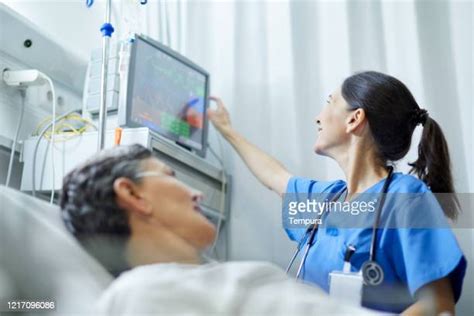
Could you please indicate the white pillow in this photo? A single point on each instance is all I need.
(42, 260)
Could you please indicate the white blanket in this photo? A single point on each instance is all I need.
(234, 288)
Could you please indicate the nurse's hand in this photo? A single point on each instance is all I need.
(220, 117)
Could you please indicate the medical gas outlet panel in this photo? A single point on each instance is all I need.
(92, 83)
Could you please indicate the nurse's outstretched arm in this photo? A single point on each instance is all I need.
(268, 170)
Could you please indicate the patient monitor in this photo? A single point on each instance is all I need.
(166, 92)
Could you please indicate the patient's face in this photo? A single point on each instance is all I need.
(176, 206)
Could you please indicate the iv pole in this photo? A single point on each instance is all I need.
(107, 29)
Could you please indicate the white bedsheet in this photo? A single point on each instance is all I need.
(234, 288)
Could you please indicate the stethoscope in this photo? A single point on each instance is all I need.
(372, 272)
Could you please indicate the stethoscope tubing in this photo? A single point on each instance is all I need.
(313, 229)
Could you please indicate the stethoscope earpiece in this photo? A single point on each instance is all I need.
(372, 273)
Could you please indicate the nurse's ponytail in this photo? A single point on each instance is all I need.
(393, 114)
(433, 165)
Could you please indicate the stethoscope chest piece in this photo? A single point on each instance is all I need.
(372, 273)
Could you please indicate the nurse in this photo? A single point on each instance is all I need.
(367, 125)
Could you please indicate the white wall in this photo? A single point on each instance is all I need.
(70, 22)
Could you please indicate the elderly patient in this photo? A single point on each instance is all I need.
(131, 213)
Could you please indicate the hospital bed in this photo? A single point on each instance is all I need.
(41, 261)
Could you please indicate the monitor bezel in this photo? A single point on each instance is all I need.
(130, 83)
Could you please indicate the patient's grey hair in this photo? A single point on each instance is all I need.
(89, 206)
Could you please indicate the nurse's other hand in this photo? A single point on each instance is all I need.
(220, 117)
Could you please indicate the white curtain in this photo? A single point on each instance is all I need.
(275, 62)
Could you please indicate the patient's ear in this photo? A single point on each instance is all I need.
(129, 197)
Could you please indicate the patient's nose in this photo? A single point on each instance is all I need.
(197, 196)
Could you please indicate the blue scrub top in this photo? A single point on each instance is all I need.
(410, 255)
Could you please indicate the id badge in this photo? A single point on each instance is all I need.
(346, 286)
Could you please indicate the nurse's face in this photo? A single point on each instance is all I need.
(332, 125)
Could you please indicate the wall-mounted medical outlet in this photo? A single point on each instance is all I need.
(23, 78)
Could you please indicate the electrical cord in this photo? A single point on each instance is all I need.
(15, 140)
(213, 248)
(53, 131)
(35, 152)
(66, 127)
(71, 115)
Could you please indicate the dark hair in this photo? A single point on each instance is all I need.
(393, 114)
(88, 202)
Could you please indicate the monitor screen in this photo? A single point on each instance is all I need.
(168, 94)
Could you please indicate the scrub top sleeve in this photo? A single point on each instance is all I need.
(306, 186)
(299, 185)
(425, 248)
